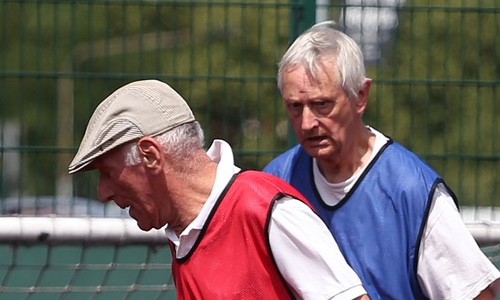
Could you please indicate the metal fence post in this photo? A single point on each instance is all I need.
(302, 17)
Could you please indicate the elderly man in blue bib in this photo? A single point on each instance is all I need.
(393, 216)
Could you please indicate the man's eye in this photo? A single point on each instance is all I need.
(323, 107)
(321, 104)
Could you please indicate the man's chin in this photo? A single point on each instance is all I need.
(144, 227)
(317, 152)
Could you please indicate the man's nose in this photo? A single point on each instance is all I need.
(104, 192)
(309, 119)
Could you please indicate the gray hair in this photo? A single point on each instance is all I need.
(323, 42)
(180, 142)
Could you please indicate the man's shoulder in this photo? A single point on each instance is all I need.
(287, 155)
(282, 165)
(405, 166)
(396, 151)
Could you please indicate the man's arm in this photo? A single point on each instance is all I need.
(486, 294)
(308, 256)
(448, 250)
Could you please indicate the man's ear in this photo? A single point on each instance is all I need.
(150, 152)
(362, 101)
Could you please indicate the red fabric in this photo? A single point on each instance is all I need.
(233, 259)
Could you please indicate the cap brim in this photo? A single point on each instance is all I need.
(88, 166)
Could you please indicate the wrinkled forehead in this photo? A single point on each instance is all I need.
(322, 73)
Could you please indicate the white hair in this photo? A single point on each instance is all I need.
(322, 42)
(180, 142)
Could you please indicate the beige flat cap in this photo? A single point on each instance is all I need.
(138, 109)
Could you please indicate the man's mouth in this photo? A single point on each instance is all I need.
(315, 139)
